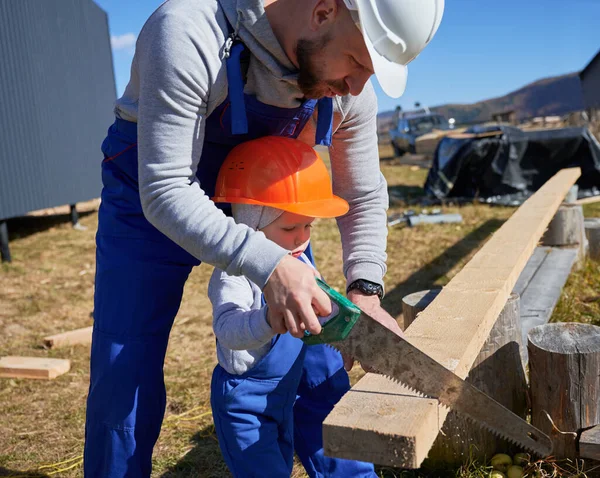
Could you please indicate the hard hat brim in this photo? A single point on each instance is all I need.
(391, 76)
(322, 208)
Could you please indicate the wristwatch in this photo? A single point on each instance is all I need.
(366, 287)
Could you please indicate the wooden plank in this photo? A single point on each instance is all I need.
(499, 373)
(543, 291)
(72, 337)
(33, 367)
(588, 200)
(589, 443)
(372, 406)
(451, 330)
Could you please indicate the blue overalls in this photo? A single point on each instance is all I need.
(140, 275)
(259, 425)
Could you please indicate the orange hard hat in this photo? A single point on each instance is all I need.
(278, 172)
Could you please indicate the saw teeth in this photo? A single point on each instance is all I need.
(527, 447)
(497, 433)
(412, 389)
(501, 435)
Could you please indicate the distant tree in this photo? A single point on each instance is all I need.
(417, 104)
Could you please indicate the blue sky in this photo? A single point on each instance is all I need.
(483, 49)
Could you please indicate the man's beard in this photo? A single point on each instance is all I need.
(310, 75)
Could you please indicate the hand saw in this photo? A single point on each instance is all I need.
(357, 335)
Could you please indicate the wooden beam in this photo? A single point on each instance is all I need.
(451, 330)
(33, 367)
(589, 443)
(588, 200)
(72, 337)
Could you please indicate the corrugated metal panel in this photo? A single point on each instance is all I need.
(57, 94)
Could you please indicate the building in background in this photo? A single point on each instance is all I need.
(590, 84)
(505, 116)
(57, 93)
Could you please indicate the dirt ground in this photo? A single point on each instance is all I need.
(48, 288)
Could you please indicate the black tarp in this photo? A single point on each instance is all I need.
(508, 167)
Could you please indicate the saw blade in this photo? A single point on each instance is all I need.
(374, 345)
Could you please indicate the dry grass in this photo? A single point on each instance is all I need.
(49, 288)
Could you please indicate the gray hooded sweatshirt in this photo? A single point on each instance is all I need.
(178, 77)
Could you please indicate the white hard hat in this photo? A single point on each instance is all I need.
(395, 32)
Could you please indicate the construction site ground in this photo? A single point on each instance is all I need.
(48, 288)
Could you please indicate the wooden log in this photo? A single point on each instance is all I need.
(498, 371)
(452, 330)
(571, 196)
(589, 443)
(72, 337)
(592, 233)
(564, 364)
(567, 229)
(414, 303)
(33, 367)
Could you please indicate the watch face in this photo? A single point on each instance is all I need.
(366, 287)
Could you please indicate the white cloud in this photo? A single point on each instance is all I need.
(123, 42)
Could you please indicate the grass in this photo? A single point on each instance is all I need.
(48, 288)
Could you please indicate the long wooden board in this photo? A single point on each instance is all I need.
(452, 330)
(588, 200)
(33, 367)
(72, 337)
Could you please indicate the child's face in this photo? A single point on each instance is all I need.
(290, 231)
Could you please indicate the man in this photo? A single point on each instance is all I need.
(207, 75)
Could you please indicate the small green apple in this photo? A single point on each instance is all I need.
(514, 471)
(521, 459)
(501, 462)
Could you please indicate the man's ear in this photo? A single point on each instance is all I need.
(323, 14)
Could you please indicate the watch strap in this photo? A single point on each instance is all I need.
(366, 287)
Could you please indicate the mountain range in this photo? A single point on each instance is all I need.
(552, 96)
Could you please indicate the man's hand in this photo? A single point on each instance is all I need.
(371, 305)
(294, 299)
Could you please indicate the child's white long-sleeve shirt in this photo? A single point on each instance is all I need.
(239, 321)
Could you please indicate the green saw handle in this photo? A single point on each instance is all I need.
(338, 327)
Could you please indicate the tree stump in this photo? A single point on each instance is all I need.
(571, 196)
(567, 230)
(592, 233)
(564, 364)
(414, 303)
(498, 372)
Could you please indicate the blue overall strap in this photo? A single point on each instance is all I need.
(239, 121)
(324, 122)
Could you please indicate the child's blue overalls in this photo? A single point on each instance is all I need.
(140, 275)
(259, 425)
